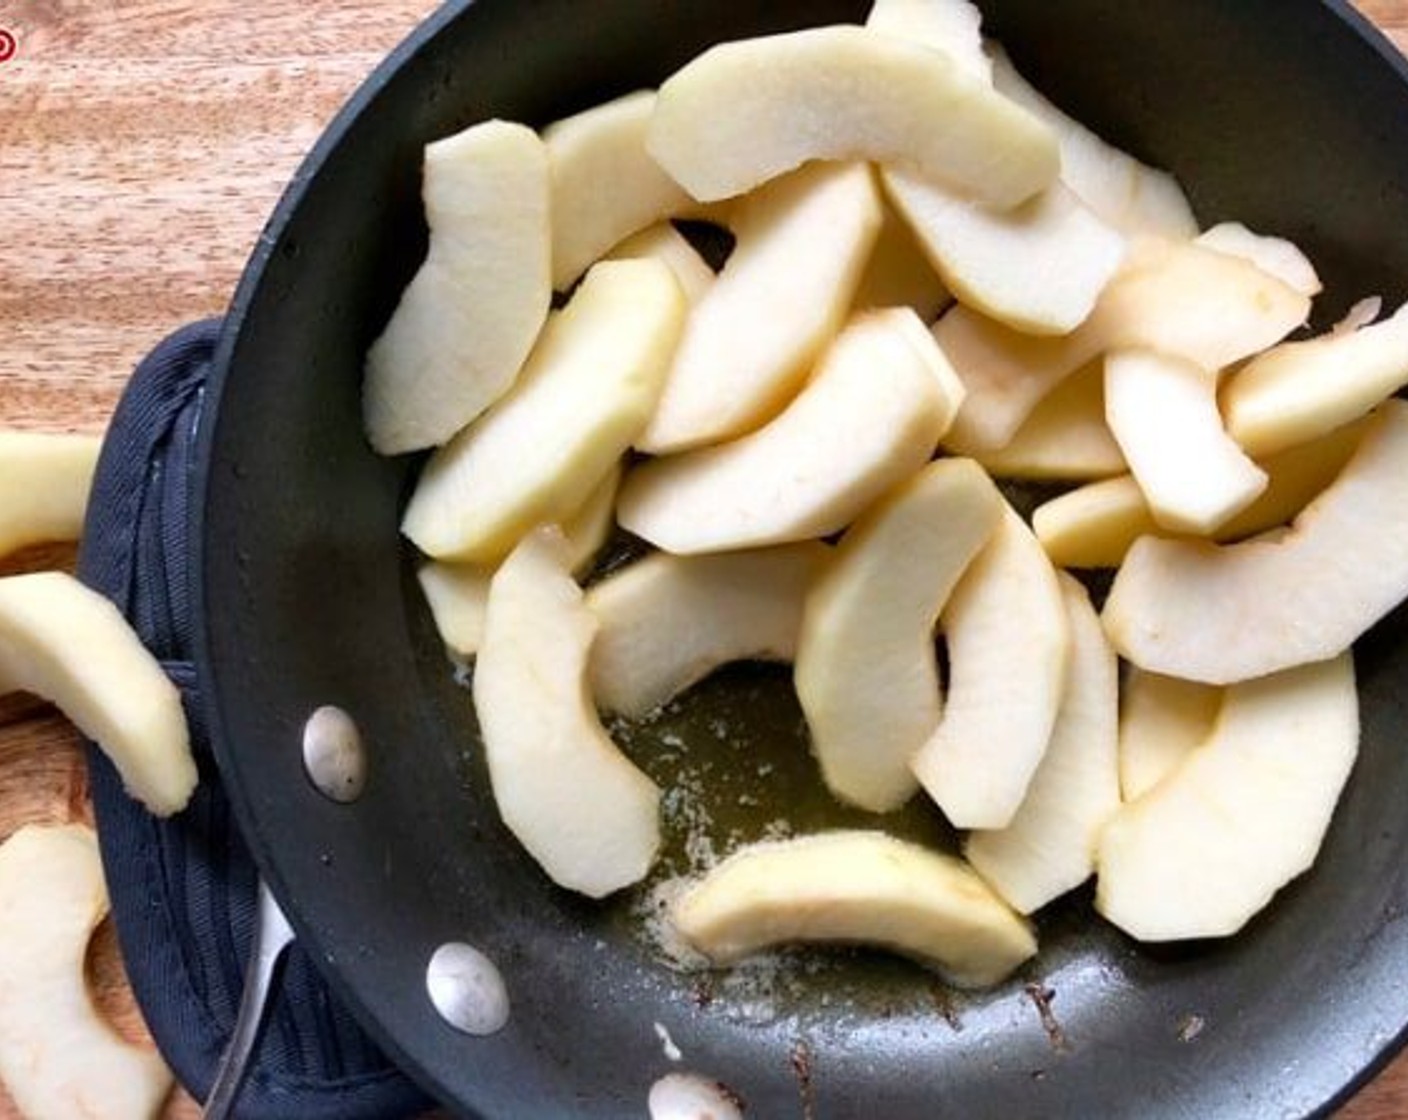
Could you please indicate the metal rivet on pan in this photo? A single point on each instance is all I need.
(467, 989)
(333, 754)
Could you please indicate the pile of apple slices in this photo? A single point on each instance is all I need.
(67, 643)
(809, 439)
(62, 641)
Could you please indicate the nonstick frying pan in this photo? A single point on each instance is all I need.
(1291, 115)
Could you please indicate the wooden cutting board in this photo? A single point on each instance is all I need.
(142, 146)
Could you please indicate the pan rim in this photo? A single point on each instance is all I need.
(207, 439)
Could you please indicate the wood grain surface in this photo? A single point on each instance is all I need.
(142, 145)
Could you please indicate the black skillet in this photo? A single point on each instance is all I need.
(1291, 115)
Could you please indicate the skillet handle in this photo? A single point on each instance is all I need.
(272, 937)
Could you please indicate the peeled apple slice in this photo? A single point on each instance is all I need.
(1005, 375)
(574, 801)
(44, 484)
(467, 320)
(1008, 648)
(459, 593)
(587, 529)
(1162, 720)
(747, 111)
(66, 643)
(866, 673)
(1049, 846)
(1221, 614)
(58, 1059)
(953, 26)
(1129, 195)
(664, 243)
(872, 414)
(1163, 413)
(667, 622)
(1273, 255)
(584, 396)
(1064, 438)
(863, 888)
(1301, 390)
(1195, 303)
(1183, 300)
(1243, 816)
(605, 185)
(1095, 525)
(1038, 267)
(802, 245)
(899, 275)
(1296, 476)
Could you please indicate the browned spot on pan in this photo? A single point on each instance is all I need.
(1042, 998)
(802, 1069)
(943, 1003)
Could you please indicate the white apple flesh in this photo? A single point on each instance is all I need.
(1008, 646)
(664, 243)
(1038, 267)
(1048, 848)
(863, 888)
(951, 26)
(899, 275)
(605, 185)
(1005, 375)
(1191, 302)
(872, 414)
(747, 111)
(70, 645)
(468, 319)
(1179, 299)
(1163, 413)
(866, 673)
(1094, 526)
(1065, 438)
(1245, 813)
(1273, 255)
(1129, 195)
(587, 392)
(44, 484)
(58, 1058)
(578, 806)
(802, 246)
(1162, 720)
(667, 622)
(459, 593)
(1220, 614)
(1303, 389)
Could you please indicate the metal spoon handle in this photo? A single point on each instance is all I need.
(272, 936)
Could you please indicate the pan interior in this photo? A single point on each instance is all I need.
(1281, 114)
